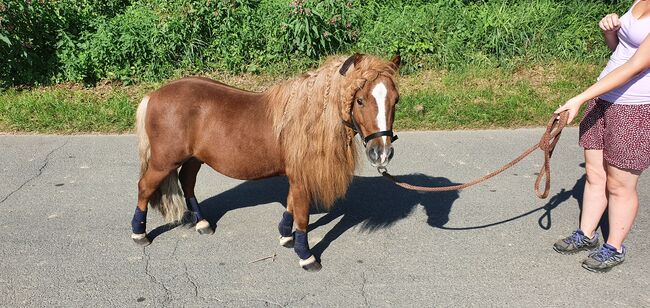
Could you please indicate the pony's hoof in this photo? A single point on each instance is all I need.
(140, 239)
(310, 265)
(203, 227)
(286, 241)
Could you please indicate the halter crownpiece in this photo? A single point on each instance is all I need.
(354, 59)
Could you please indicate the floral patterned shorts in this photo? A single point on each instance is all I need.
(621, 131)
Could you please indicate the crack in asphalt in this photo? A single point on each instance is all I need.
(153, 278)
(173, 253)
(267, 303)
(14, 297)
(38, 174)
(363, 288)
(293, 301)
(189, 278)
(186, 272)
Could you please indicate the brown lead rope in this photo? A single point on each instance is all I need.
(546, 143)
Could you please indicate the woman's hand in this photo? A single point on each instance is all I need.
(610, 23)
(572, 105)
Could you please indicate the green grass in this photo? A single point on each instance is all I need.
(60, 110)
(476, 98)
(491, 98)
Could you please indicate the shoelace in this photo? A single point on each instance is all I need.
(576, 238)
(602, 254)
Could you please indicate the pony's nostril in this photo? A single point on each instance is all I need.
(391, 152)
(373, 154)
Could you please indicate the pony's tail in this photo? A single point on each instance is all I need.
(168, 198)
(144, 148)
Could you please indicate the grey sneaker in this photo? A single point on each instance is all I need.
(604, 258)
(577, 241)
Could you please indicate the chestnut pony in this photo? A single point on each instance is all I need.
(303, 128)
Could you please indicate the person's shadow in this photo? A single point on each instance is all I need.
(545, 220)
(577, 192)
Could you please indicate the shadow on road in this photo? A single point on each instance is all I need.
(544, 221)
(374, 203)
(371, 203)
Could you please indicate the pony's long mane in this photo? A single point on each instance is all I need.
(307, 114)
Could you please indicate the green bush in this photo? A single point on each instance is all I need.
(320, 28)
(86, 41)
(27, 41)
(453, 34)
(152, 40)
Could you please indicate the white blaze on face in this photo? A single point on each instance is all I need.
(379, 92)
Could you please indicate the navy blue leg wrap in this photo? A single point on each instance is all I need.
(286, 224)
(139, 221)
(193, 206)
(301, 245)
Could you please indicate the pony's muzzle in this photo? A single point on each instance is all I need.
(379, 152)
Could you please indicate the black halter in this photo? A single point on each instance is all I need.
(355, 127)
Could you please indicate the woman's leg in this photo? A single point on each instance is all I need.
(623, 203)
(594, 201)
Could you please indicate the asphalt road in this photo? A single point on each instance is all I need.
(66, 204)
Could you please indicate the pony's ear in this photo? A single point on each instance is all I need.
(354, 59)
(396, 60)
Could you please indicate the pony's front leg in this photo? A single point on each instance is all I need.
(298, 201)
(187, 177)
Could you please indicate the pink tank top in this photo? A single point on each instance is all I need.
(632, 33)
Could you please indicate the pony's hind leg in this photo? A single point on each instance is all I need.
(146, 188)
(187, 177)
(286, 225)
(298, 202)
(286, 229)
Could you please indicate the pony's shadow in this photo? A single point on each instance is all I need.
(247, 194)
(372, 203)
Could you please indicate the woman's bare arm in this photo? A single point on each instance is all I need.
(639, 62)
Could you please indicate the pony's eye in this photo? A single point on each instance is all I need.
(359, 101)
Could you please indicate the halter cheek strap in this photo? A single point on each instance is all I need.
(355, 127)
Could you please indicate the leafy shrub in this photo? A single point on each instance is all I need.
(86, 41)
(150, 41)
(454, 34)
(317, 28)
(28, 34)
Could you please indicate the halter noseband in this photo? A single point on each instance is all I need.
(355, 127)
